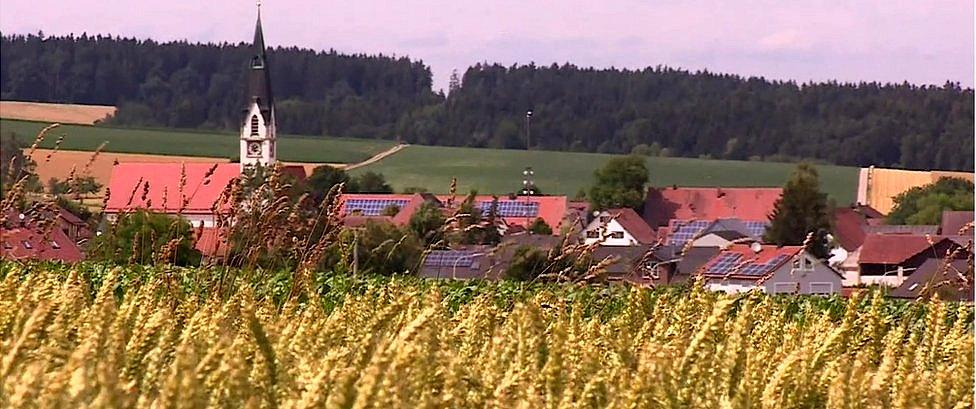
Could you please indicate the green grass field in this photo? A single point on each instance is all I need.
(490, 171)
(193, 143)
(498, 171)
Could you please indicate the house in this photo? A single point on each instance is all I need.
(644, 265)
(618, 227)
(952, 280)
(956, 223)
(514, 212)
(24, 237)
(849, 224)
(680, 232)
(468, 262)
(771, 269)
(909, 229)
(888, 259)
(663, 205)
(192, 190)
(721, 239)
(877, 187)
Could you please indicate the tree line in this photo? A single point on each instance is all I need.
(656, 110)
(184, 85)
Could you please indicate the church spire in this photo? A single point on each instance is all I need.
(258, 137)
(259, 77)
(258, 43)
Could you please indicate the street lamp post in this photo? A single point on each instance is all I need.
(528, 130)
(528, 185)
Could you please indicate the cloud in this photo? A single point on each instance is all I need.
(790, 39)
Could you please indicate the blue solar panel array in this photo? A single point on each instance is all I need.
(372, 207)
(511, 208)
(684, 231)
(450, 258)
(724, 264)
(733, 263)
(756, 228)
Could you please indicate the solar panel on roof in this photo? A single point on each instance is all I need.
(724, 263)
(756, 228)
(512, 208)
(450, 258)
(372, 207)
(684, 231)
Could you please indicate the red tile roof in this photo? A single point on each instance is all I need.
(200, 190)
(849, 228)
(210, 244)
(766, 260)
(165, 177)
(709, 203)
(895, 248)
(26, 243)
(634, 224)
(552, 209)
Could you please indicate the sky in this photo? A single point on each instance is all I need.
(919, 41)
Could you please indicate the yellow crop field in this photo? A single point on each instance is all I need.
(55, 113)
(110, 337)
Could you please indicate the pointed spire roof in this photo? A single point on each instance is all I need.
(259, 77)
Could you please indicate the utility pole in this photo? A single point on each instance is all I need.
(355, 251)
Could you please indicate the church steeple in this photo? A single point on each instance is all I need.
(258, 137)
(259, 77)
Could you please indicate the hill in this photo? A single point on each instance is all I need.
(194, 143)
(703, 114)
(687, 114)
(490, 171)
(499, 171)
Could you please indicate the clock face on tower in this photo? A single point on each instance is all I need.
(254, 149)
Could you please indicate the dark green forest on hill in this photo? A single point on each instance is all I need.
(659, 110)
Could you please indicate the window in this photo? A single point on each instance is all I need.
(604, 219)
(617, 235)
(27, 244)
(821, 288)
(806, 263)
(254, 125)
(785, 288)
(55, 245)
(802, 263)
(592, 234)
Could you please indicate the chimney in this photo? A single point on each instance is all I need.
(719, 192)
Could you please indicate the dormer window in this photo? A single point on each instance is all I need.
(254, 125)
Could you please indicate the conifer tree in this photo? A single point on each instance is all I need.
(803, 209)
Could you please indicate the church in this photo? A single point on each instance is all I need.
(191, 189)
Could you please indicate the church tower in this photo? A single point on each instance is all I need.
(258, 137)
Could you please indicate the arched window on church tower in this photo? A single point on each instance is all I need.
(254, 125)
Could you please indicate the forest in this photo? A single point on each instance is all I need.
(657, 110)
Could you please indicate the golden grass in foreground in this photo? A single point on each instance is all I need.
(397, 347)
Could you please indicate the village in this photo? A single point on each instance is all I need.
(677, 235)
(615, 205)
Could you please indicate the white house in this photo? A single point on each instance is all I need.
(618, 227)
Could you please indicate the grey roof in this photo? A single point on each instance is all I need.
(695, 258)
(727, 234)
(945, 280)
(953, 222)
(902, 229)
(626, 257)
